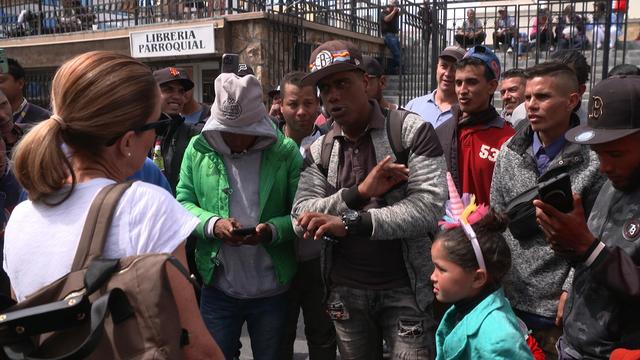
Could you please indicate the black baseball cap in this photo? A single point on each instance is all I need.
(372, 66)
(169, 74)
(613, 112)
(332, 57)
(244, 70)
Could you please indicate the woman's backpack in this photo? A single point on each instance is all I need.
(104, 308)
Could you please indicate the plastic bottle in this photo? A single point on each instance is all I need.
(157, 156)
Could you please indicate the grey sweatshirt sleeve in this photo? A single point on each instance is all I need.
(422, 205)
(314, 190)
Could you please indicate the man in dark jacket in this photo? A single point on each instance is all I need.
(472, 137)
(382, 214)
(602, 307)
(25, 114)
(390, 27)
(174, 83)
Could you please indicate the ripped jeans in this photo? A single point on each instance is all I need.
(364, 317)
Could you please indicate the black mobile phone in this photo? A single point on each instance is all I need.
(4, 64)
(244, 231)
(230, 63)
(557, 192)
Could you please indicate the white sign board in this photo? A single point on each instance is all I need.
(193, 40)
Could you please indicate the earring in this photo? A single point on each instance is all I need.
(129, 154)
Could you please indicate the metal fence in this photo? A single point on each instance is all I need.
(591, 27)
(425, 29)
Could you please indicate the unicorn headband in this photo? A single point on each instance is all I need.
(463, 212)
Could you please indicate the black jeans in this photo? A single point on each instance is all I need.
(504, 38)
(307, 292)
(469, 41)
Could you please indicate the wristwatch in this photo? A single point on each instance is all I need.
(352, 221)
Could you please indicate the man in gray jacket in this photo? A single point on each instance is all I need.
(380, 215)
(602, 308)
(539, 279)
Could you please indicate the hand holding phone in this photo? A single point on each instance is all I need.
(557, 193)
(244, 231)
(230, 63)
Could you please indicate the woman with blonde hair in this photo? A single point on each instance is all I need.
(105, 108)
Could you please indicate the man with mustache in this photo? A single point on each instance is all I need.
(512, 91)
(602, 306)
(472, 137)
(378, 214)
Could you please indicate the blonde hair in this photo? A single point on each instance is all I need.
(96, 97)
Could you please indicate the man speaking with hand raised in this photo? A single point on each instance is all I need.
(380, 213)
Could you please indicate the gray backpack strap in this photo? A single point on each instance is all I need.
(325, 154)
(97, 224)
(395, 120)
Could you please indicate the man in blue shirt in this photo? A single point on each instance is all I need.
(435, 107)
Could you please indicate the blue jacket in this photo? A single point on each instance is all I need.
(490, 331)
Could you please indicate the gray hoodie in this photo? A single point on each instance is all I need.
(245, 271)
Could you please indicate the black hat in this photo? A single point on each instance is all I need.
(275, 91)
(169, 74)
(244, 70)
(613, 111)
(372, 66)
(332, 57)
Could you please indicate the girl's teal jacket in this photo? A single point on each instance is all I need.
(489, 332)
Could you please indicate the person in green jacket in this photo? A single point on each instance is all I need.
(471, 257)
(239, 177)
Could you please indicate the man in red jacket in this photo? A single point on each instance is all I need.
(472, 137)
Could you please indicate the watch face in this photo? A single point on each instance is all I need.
(351, 215)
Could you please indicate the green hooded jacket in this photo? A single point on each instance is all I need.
(203, 190)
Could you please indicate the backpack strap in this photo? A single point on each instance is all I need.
(97, 224)
(325, 154)
(395, 120)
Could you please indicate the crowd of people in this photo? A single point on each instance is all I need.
(418, 231)
(545, 30)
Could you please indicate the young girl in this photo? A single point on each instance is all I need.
(470, 258)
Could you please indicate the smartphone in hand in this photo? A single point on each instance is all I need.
(244, 231)
(230, 63)
(4, 63)
(557, 192)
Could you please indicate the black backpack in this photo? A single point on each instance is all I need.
(174, 144)
(394, 122)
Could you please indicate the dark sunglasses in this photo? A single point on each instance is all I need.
(159, 126)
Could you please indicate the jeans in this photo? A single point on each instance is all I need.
(505, 38)
(307, 292)
(393, 43)
(469, 41)
(224, 316)
(362, 317)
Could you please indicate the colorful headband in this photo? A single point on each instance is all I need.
(463, 212)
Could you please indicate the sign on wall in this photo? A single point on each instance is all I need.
(191, 40)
